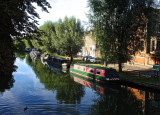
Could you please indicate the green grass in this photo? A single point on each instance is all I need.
(89, 63)
(56, 55)
(140, 79)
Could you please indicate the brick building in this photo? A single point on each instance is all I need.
(148, 55)
(151, 56)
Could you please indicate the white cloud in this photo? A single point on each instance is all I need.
(62, 8)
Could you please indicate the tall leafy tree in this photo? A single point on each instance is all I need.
(69, 36)
(18, 18)
(46, 41)
(119, 26)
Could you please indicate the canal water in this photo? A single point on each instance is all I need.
(36, 89)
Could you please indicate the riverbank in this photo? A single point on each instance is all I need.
(139, 75)
(142, 81)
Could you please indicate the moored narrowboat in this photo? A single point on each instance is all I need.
(99, 74)
(55, 61)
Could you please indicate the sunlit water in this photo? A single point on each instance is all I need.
(37, 90)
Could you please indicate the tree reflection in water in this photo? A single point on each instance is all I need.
(67, 91)
(7, 66)
(118, 103)
(7, 56)
(6, 83)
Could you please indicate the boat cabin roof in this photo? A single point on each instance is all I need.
(91, 66)
(97, 67)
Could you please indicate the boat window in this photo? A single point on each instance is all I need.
(84, 69)
(98, 72)
(78, 67)
(92, 70)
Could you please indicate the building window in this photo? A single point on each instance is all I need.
(90, 42)
(153, 46)
(158, 28)
(158, 46)
(142, 46)
(85, 42)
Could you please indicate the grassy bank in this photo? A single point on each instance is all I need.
(139, 79)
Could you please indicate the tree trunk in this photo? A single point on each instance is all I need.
(71, 59)
(104, 63)
(120, 66)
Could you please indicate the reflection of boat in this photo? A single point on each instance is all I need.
(44, 56)
(28, 49)
(54, 69)
(34, 55)
(99, 74)
(93, 85)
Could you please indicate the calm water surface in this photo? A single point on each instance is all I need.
(36, 90)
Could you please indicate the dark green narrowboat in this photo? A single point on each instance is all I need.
(100, 74)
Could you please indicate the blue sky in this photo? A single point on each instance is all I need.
(62, 8)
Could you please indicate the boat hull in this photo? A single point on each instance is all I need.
(95, 78)
(101, 88)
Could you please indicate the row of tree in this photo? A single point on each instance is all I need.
(64, 37)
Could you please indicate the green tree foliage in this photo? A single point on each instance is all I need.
(46, 41)
(18, 18)
(20, 45)
(69, 36)
(119, 26)
(20, 49)
(28, 43)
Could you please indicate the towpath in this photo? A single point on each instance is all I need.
(139, 70)
(129, 67)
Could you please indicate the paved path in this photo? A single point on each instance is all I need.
(133, 67)
(138, 69)
(141, 69)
